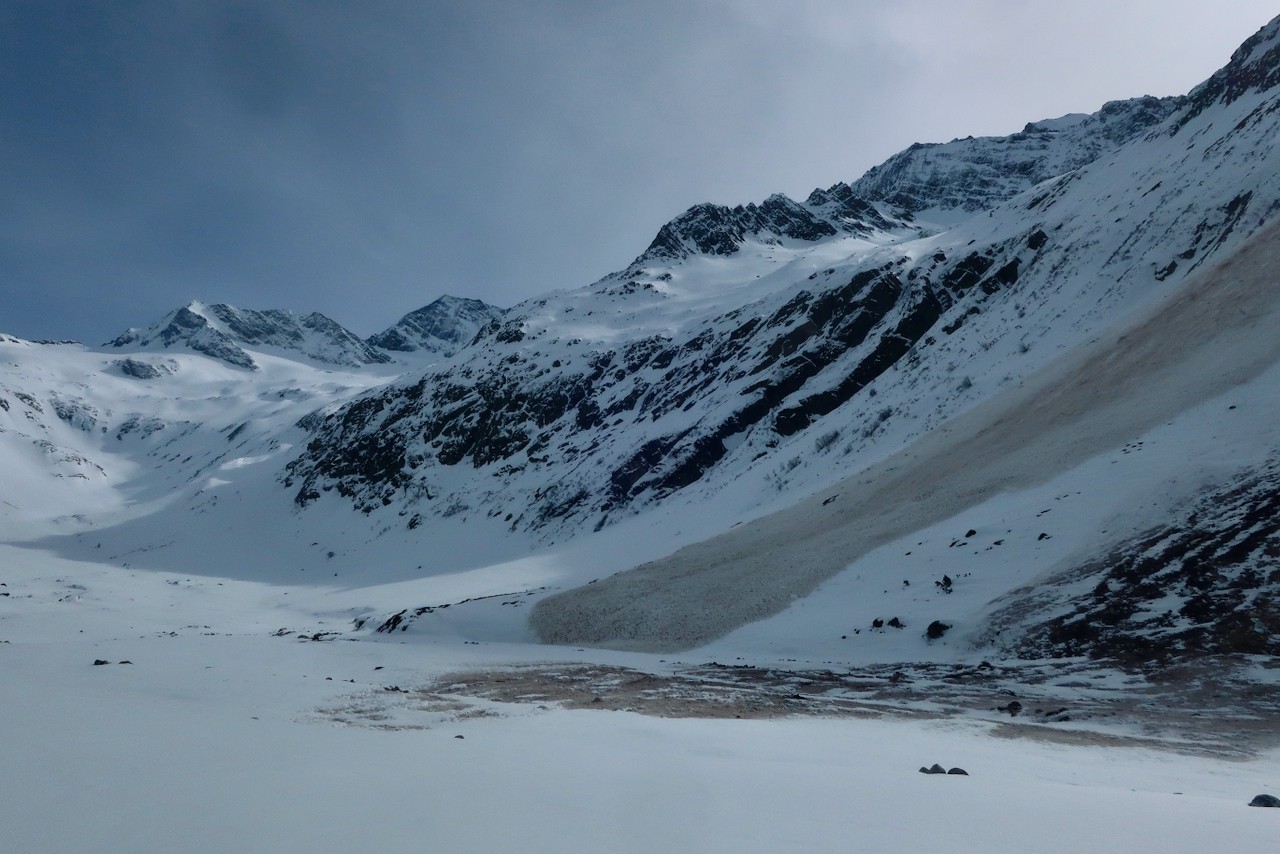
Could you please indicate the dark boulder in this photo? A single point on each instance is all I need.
(1265, 801)
(936, 630)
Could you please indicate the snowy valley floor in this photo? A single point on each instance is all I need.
(225, 734)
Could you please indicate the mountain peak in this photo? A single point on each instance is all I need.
(711, 229)
(222, 331)
(441, 327)
(1254, 67)
(977, 173)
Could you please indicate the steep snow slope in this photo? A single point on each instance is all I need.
(1221, 329)
(224, 332)
(976, 174)
(759, 354)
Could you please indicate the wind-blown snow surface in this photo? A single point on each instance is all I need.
(216, 738)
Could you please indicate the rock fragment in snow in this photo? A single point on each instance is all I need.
(1265, 801)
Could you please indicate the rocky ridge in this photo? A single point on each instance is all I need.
(223, 332)
(977, 173)
(839, 325)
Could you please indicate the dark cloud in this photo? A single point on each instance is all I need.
(361, 159)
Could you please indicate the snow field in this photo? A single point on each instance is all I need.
(218, 738)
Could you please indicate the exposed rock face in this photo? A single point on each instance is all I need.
(222, 332)
(717, 230)
(612, 415)
(140, 369)
(1254, 67)
(1208, 585)
(442, 327)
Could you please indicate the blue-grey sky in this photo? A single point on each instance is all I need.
(360, 159)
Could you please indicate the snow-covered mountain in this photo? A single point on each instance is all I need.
(750, 356)
(793, 344)
(440, 328)
(224, 332)
(709, 229)
(989, 434)
(974, 174)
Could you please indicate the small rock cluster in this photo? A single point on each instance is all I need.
(938, 769)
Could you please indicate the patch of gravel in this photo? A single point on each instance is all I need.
(1223, 706)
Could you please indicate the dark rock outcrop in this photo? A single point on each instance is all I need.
(1215, 575)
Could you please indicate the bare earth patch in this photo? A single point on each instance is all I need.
(1226, 706)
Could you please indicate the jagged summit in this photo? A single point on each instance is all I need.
(718, 230)
(977, 173)
(222, 331)
(1254, 67)
(967, 175)
(441, 327)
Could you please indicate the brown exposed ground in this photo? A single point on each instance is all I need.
(1226, 706)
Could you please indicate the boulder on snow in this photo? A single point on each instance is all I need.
(1265, 801)
(933, 769)
(958, 772)
(936, 630)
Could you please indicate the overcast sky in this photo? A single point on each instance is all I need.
(360, 159)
